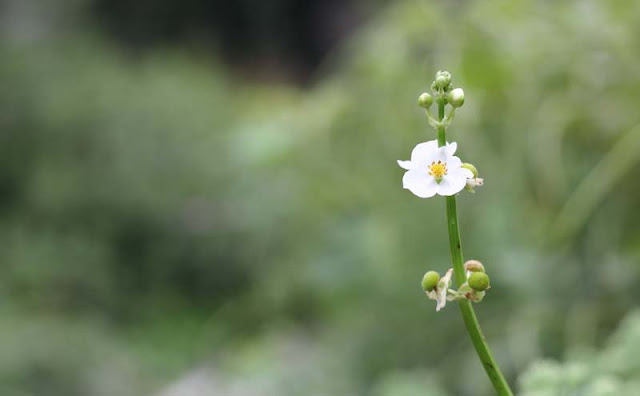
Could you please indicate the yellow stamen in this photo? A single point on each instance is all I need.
(437, 169)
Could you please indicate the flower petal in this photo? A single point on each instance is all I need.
(408, 165)
(443, 286)
(453, 163)
(451, 148)
(438, 154)
(466, 172)
(452, 184)
(474, 182)
(420, 183)
(424, 151)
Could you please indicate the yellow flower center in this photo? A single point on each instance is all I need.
(437, 169)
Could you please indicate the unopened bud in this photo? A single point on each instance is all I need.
(471, 168)
(443, 78)
(473, 266)
(425, 100)
(430, 280)
(479, 281)
(456, 97)
(473, 183)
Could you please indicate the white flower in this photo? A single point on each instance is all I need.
(434, 170)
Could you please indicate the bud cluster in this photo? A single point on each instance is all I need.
(442, 91)
(437, 288)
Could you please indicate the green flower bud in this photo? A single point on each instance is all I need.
(473, 266)
(430, 280)
(425, 100)
(456, 97)
(471, 168)
(479, 281)
(443, 78)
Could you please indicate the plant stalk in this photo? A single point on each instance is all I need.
(468, 313)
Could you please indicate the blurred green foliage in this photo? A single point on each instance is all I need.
(613, 370)
(161, 216)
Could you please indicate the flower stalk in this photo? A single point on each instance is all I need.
(468, 313)
(434, 169)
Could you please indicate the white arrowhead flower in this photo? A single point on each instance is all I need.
(434, 170)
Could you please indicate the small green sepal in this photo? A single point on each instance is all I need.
(471, 168)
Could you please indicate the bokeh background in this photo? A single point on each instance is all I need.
(201, 198)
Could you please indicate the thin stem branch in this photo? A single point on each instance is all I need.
(468, 314)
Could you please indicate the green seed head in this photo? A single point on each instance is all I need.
(473, 266)
(425, 100)
(479, 281)
(430, 280)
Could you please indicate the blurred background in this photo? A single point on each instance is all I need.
(202, 198)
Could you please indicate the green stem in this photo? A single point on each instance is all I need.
(468, 314)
